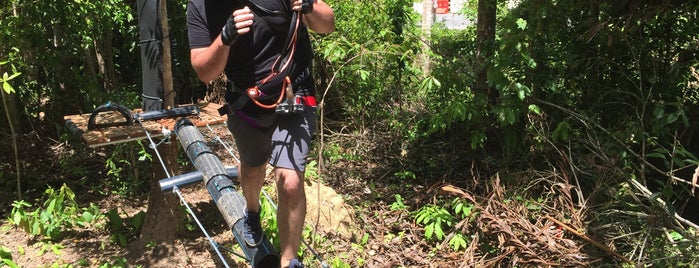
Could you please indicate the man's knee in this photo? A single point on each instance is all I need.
(290, 183)
(255, 171)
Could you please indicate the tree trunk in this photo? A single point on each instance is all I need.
(485, 40)
(91, 57)
(168, 93)
(163, 216)
(537, 49)
(104, 57)
(110, 82)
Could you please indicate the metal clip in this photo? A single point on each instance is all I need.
(166, 138)
(291, 105)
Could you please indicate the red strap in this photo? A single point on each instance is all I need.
(310, 101)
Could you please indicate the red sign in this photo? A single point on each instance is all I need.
(442, 7)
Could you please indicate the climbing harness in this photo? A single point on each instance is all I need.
(280, 68)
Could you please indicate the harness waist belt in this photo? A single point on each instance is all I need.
(307, 101)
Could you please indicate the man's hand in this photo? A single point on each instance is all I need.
(305, 6)
(320, 19)
(238, 23)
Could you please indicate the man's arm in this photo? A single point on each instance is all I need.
(321, 20)
(209, 62)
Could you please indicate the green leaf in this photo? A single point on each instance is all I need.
(438, 231)
(88, 216)
(122, 240)
(364, 75)
(467, 210)
(522, 90)
(659, 112)
(10, 263)
(458, 208)
(671, 118)
(429, 229)
(13, 76)
(52, 206)
(655, 155)
(510, 117)
(562, 132)
(5, 253)
(420, 217)
(535, 109)
(36, 228)
(7, 87)
(457, 242)
(521, 24)
(68, 191)
(56, 248)
(137, 220)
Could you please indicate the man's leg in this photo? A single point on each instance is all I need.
(291, 142)
(254, 147)
(251, 181)
(291, 213)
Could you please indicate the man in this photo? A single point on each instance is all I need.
(266, 58)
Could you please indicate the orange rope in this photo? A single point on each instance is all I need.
(254, 92)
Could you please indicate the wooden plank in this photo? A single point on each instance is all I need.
(153, 127)
(167, 123)
(134, 131)
(94, 138)
(115, 134)
(210, 108)
(110, 132)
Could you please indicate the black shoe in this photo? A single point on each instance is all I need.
(252, 229)
(294, 263)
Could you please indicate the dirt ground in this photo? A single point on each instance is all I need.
(327, 215)
(351, 219)
(186, 249)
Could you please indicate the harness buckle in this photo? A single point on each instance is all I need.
(292, 104)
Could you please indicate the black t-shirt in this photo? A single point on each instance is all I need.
(253, 54)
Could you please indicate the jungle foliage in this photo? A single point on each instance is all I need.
(600, 96)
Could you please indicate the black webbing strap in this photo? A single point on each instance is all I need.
(109, 106)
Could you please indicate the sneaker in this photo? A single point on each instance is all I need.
(294, 263)
(252, 229)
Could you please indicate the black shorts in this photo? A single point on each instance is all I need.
(285, 142)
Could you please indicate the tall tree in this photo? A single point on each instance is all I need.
(162, 209)
(485, 47)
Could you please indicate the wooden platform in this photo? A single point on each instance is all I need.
(107, 135)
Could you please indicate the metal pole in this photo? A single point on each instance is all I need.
(230, 202)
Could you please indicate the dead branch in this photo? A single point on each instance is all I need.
(588, 239)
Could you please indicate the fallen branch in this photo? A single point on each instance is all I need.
(588, 239)
(647, 193)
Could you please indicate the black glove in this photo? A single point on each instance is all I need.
(307, 6)
(229, 33)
